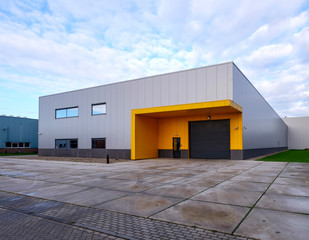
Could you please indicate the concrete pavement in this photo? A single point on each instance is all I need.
(263, 200)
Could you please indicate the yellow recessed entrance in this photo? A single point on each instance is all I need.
(154, 128)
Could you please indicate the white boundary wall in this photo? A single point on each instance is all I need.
(298, 132)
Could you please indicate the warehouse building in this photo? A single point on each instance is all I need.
(18, 134)
(209, 112)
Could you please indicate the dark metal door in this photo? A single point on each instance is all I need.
(209, 139)
(176, 147)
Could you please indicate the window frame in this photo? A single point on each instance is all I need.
(67, 143)
(66, 112)
(92, 143)
(19, 144)
(97, 104)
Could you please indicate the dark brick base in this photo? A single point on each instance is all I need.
(87, 153)
(166, 153)
(18, 150)
(251, 153)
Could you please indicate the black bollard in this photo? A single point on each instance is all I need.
(107, 159)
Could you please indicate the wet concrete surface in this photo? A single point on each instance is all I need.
(229, 196)
(139, 204)
(214, 216)
(275, 225)
(282, 202)
(263, 200)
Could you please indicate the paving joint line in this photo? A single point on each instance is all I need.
(62, 221)
(203, 190)
(253, 206)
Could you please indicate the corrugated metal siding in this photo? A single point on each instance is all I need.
(197, 85)
(298, 132)
(263, 128)
(16, 129)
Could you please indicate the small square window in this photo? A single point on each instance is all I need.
(21, 145)
(61, 143)
(8, 144)
(73, 143)
(61, 113)
(98, 143)
(14, 145)
(27, 144)
(66, 143)
(98, 109)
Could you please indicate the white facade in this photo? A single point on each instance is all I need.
(198, 85)
(262, 127)
(298, 132)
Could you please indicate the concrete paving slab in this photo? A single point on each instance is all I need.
(246, 186)
(285, 203)
(291, 181)
(44, 176)
(10, 183)
(29, 186)
(91, 197)
(173, 190)
(139, 204)
(275, 225)
(99, 182)
(73, 179)
(101, 174)
(196, 182)
(54, 191)
(287, 189)
(215, 216)
(253, 178)
(229, 196)
(300, 167)
(218, 176)
(162, 179)
(131, 176)
(293, 174)
(264, 172)
(132, 186)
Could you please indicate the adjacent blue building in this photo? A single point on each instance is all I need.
(18, 134)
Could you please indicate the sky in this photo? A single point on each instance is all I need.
(52, 46)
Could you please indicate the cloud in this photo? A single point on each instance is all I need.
(269, 55)
(54, 46)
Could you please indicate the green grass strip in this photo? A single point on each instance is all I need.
(289, 156)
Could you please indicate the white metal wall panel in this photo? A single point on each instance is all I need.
(182, 88)
(191, 86)
(148, 92)
(197, 85)
(156, 90)
(164, 90)
(201, 85)
(230, 81)
(173, 93)
(263, 128)
(211, 83)
(222, 80)
(298, 132)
